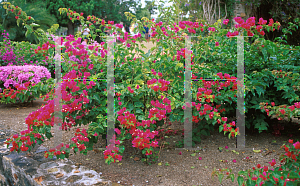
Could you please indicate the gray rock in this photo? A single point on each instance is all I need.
(21, 170)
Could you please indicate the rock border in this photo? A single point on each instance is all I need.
(36, 170)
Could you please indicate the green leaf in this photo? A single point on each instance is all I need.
(220, 128)
(138, 104)
(130, 107)
(34, 25)
(49, 135)
(259, 90)
(128, 136)
(62, 156)
(96, 96)
(160, 123)
(220, 176)
(240, 180)
(293, 175)
(205, 132)
(141, 117)
(40, 30)
(197, 137)
(232, 177)
(19, 144)
(139, 111)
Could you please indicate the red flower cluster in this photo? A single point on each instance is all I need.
(249, 26)
(141, 139)
(182, 53)
(154, 86)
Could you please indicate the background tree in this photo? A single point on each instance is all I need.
(142, 12)
(209, 10)
(150, 5)
(287, 12)
(284, 11)
(86, 7)
(109, 10)
(37, 10)
(168, 13)
(114, 10)
(147, 11)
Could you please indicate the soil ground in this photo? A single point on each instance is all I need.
(179, 169)
(174, 169)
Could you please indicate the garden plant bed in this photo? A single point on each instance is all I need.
(204, 71)
(173, 169)
(33, 168)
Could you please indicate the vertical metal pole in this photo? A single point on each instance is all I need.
(110, 93)
(58, 96)
(188, 95)
(240, 111)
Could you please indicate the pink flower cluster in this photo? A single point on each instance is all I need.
(212, 29)
(17, 75)
(284, 112)
(154, 86)
(249, 25)
(140, 139)
(206, 94)
(182, 53)
(44, 116)
(154, 72)
(128, 39)
(226, 21)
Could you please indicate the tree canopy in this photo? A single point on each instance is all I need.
(105, 9)
(147, 11)
(37, 10)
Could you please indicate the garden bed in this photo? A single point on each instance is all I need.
(171, 168)
(34, 168)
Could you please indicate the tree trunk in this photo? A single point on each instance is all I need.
(71, 27)
(241, 10)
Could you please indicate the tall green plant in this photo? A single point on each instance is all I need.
(40, 20)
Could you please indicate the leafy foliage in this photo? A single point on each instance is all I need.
(104, 9)
(285, 11)
(36, 10)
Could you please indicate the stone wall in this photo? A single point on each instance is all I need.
(34, 169)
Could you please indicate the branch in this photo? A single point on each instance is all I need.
(215, 9)
(208, 13)
(225, 11)
(204, 12)
(219, 9)
(212, 11)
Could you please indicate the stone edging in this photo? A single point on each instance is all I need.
(21, 170)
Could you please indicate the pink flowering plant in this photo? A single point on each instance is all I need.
(24, 53)
(75, 97)
(148, 85)
(141, 133)
(6, 53)
(260, 54)
(260, 93)
(23, 83)
(285, 174)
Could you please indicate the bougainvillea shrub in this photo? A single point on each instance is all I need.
(23, 83)
(149, 85)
